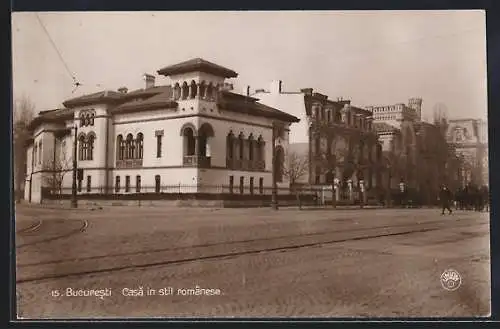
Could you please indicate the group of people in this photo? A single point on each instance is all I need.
(471, 197)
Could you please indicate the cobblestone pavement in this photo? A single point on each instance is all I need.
(258, 262)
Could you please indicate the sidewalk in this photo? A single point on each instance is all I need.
(81, 207)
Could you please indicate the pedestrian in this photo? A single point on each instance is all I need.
(445, 198)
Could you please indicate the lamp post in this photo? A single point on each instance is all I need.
(74, 202)
(274, 194)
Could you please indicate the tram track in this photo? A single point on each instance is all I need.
(32, 228)
(71, 233)
(203, 252)
(227, 243)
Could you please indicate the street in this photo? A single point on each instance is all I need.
(199, 262)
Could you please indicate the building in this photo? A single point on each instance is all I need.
(190, 135)
(336, 137)
(416, 153)
(469, 138)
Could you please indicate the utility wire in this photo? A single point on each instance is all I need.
(75, 81)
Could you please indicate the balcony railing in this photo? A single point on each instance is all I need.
(200, 161)
(129, 163)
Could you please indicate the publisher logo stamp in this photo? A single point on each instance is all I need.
(451, 280)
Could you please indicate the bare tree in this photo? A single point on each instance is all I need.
(55, 172)
(23, 114)
(296, 167)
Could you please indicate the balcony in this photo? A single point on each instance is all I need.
(199, 161)
(129, 163)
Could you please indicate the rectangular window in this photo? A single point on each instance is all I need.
(157, 183)
(261, 185)
(231, 184)
(79, 185)
(89, 183)
(158, 146)
(138, 184)
(117, 184)
(127, 183)
(251, 185)
(242, 183)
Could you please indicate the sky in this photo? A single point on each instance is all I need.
(369, 57)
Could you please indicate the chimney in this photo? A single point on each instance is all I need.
(150, 80)
(246, 91)
(276, 87)
(123, 90)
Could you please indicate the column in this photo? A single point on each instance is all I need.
(208, 149)
(198, 95)
(190, 91)
(196, 146)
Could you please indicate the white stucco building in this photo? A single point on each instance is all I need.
(193, 135)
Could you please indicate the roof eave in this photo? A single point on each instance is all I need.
(92, 101)
(144, 107)
(226, 73)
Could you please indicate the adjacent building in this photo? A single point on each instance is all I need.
(192, 134)
(336, 138)
(469, 138)
(416, 153)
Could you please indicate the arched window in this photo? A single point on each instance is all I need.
(189, 140)
(329, 116)
(82, 119)
(251, 143)
(338, 117)
(129, 151)
(185, 90)
(92, 116)
(81, 147)
(120, 147)
(317, 145)
(205, 132)
(241, 144)
(280, 162)
(230, 146)
(202, 89)
(90, 147)
(261, 146)
(177, 91)
(194, 89)
(140, 145)
(210, 92)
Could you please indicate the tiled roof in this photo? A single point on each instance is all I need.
(55, 115)
(198, 64)
(242, 104)
(101, 96)
(150, 98)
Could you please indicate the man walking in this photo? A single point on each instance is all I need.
(445, 197)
